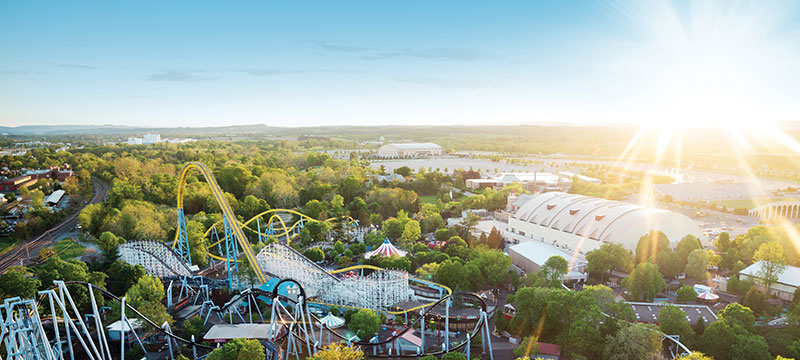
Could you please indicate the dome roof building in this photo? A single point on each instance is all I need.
(581, 224)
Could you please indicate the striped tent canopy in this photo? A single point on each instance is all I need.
(331, 321)
(386, 249)
(707, 296)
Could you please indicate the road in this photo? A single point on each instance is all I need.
(26, 253)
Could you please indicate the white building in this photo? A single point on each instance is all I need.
(579, 224)
(409, 150)
(533, 182)
(784, 289)
(151, 139)
(788, 209)
(531, 255)
(55, 198)
(134, 141)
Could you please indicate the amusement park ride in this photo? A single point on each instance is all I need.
(292, 323)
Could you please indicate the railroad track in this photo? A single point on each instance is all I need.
(26, 253)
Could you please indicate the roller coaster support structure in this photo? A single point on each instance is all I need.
(183, 239)
(231, 254)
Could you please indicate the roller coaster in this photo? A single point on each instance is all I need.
(357, 287)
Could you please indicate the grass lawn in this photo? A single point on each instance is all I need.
(750, 203)
(69, 249)
(6, 244)
(429, 199)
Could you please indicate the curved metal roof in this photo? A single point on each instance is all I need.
(601, 219)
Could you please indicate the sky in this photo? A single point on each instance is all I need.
(310, 63)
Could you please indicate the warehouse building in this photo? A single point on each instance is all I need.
(579, 224)
(409, 150)
(784, 288)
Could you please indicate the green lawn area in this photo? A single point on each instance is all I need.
(429, 199)
(6, 244)
(69, 249)
(750, 203)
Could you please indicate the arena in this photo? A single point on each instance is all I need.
(579, 224)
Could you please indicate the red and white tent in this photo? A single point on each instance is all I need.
(386, 249)
(707, 296)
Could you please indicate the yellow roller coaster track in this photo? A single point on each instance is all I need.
(237, 230)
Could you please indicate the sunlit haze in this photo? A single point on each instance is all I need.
(151, 63)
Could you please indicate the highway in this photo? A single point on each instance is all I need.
(26, 253)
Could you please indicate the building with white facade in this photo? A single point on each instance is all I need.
(409, 150)
(784, 288)
(134, 141)
(579, 224)
(788, 209)
(533, 182)
(151, 139)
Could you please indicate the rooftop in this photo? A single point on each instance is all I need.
(414, 146)
(237, 331)
(648, 312)
(790, 276)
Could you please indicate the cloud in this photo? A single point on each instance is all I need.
(78, 66)
(177, 76)
(451, 83)
(342, 48)
(21, 72)
(453, 54)
(264, 72)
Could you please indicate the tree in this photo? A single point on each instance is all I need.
(365, 323)
(717, 339)
(697, 264)
(393, 228)
(644, 282)
(239, 349)
(756, 301)
(770, 256)
(18, 281)
(696, 355)
(193, 326)
(454, 356)
(108, 242)
(684, 247)
(723, 242)
(686, 294)
(37, 198)
(411, 232)
(495, 240)
(750, 347)
(649, 245)
(315, 254)
(146, 297)
(493, 265)
(339, 351)
(672, 321)
(739, 317)
(608, 257)
(553, 271)
(528, 346)
(669, 263)
(634, 342)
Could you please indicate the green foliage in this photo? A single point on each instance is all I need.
(635, 341)
(553, 270)
(609, 257)
(193, 326)
(339, 351)
(686, 294)
(773, 263)
(493, 265)
(669, 263)
(146, 297)
(314, 254)
(18, 281)
(644, 282)
(458, 276)
(239, 349)
(527, 347)
(649, 245)
(121, 276)
(741, 318)
(365, 323)
(672, 321)
(697, 264)
(684, 247)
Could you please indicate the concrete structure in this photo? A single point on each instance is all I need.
(134, 141)
(409, 150)
(531, 255)
(533, 182)
(14, 184)
(648, 312)
(151, 139)
(709, 191)
(783, 289)
(579, 224)
(777, 210)
(115, 329)
(54, 198)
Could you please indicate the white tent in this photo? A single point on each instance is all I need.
(331, 321)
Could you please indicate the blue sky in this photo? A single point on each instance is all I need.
(304, 63)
